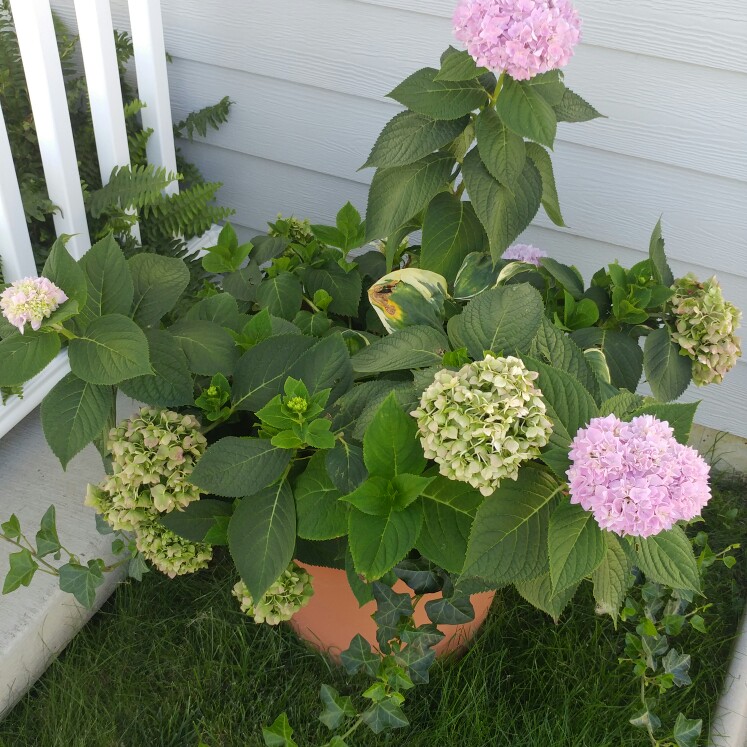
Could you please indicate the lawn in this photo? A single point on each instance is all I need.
(175, 664)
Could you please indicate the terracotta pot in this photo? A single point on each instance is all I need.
(333, 618)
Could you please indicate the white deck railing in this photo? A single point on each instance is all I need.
(41, 63)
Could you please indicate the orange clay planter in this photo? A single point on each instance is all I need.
(333, 618)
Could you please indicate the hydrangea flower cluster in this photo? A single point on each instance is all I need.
(481, 422)
(705, 328)
(281, 601)
(153, 456)
(522, 37)
(30, 300)
(635, 477)
(524, 253)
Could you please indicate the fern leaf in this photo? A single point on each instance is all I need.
(208, 117)
(131, 187)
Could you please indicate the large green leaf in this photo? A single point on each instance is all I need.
(576, 545)
(325, 366)
(613, 577)
(345, 466)
(410, 136)
(572, 108)
(439, 99)
(662, 271)
(199, 519)
(261, 372)
(391, 446)
(508, 541)
(112, 349)
(401, 192)
(170, 384)
(110, 288)
(281, 295)
(451, 231)
(541, 159)
(73, 414)
(504, 320)
(411, 347)
(459, 65)
(221, 308)
(503, 212)
(623, 354)
(233, 467)
(158, 282)
(523, 108)
(539, 593)
(24, 356)
(262, 536)
(668, 559)
(501, 150)
(208, 347)
(66, 273)
(321, 515)
(344, 287)
(449, 508)
(668, 373)
(565, 275)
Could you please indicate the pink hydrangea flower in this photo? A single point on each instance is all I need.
(522, 37)
(30, 300)
(524, 253)
(635, 477)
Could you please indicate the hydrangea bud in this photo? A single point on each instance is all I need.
(482, 422)
(30, 300)
(705, 326)
(281, 601)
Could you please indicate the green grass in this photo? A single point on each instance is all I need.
(172, 663)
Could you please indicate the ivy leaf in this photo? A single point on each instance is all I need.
(12, 528)
(359, 656)
(22, 568)
(678, 665)
(47, 541)
(391, 607)
(687, 731)
(336, 707)
(450, 611)
(82, 581)
(279, 734)
(384, 715)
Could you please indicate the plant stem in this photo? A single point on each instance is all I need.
(498, 89)
(50, 569)
(64, 332)
(311, 303)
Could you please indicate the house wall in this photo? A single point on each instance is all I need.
(309, 78)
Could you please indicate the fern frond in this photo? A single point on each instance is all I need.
(138, 143)
(208, 117)
(131, 187)
(131, 108)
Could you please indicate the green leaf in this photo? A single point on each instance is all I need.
(221, 308)
(450, 611)
(451, 231)
(668, 559)
(613, 577)
(623, 354)
(668, 373)
(623, 405)
(410, 347)
(73, 414)
(504, 213)
(208, 347)
(566, 276)
(349, 224)
(572, 108)
(344, 287)
(170, 384)
(501, 150)
(541, 159)
(504, 320)
(327, 365)
(109, 283)
(66, 273)
(678, 414)
(439, 99)
(320, 513)
(678, 665)
(549, 85)
(662, 272)
(112, 348)
(234, 467)
(391, 446)
(158, 282)
(459, 65)
(279, 734)
(21, 570)
(336, 708)
(576, 545)
(401, 192)
(687, 731)
(281, 295)
(24, 356)
(243, 283)
(198, 519)
(11, 528)
(262, 536)
(359, 656)
(526, 112)
(385, 715)
(449, 509)
(391, 606)
(407, 488)
(345, 466)
(539, 592)
(410, 136)
(508, 541)
(378, 543)
(82, 581)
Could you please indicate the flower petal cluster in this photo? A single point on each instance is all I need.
(705, 326)
(30, 300)
(481, 422)
(522, 37)
(281, 601)
(153, 456)
(524, 253)
(635, 477)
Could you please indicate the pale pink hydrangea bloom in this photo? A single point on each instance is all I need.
(522, 37)
(524, 253)
(635, 477)
(30, 300)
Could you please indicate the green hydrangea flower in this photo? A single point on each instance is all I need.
(482, 422)
(705, 326)
(295, 229)
(281, 601)
(170, 553)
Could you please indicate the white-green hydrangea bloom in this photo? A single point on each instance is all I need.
(482, 422)
(705, 327)
(170, 553)
(281, 601)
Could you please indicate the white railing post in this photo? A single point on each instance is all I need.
(15, 245)
(96, 34)
(41, 63)
(153, 84)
